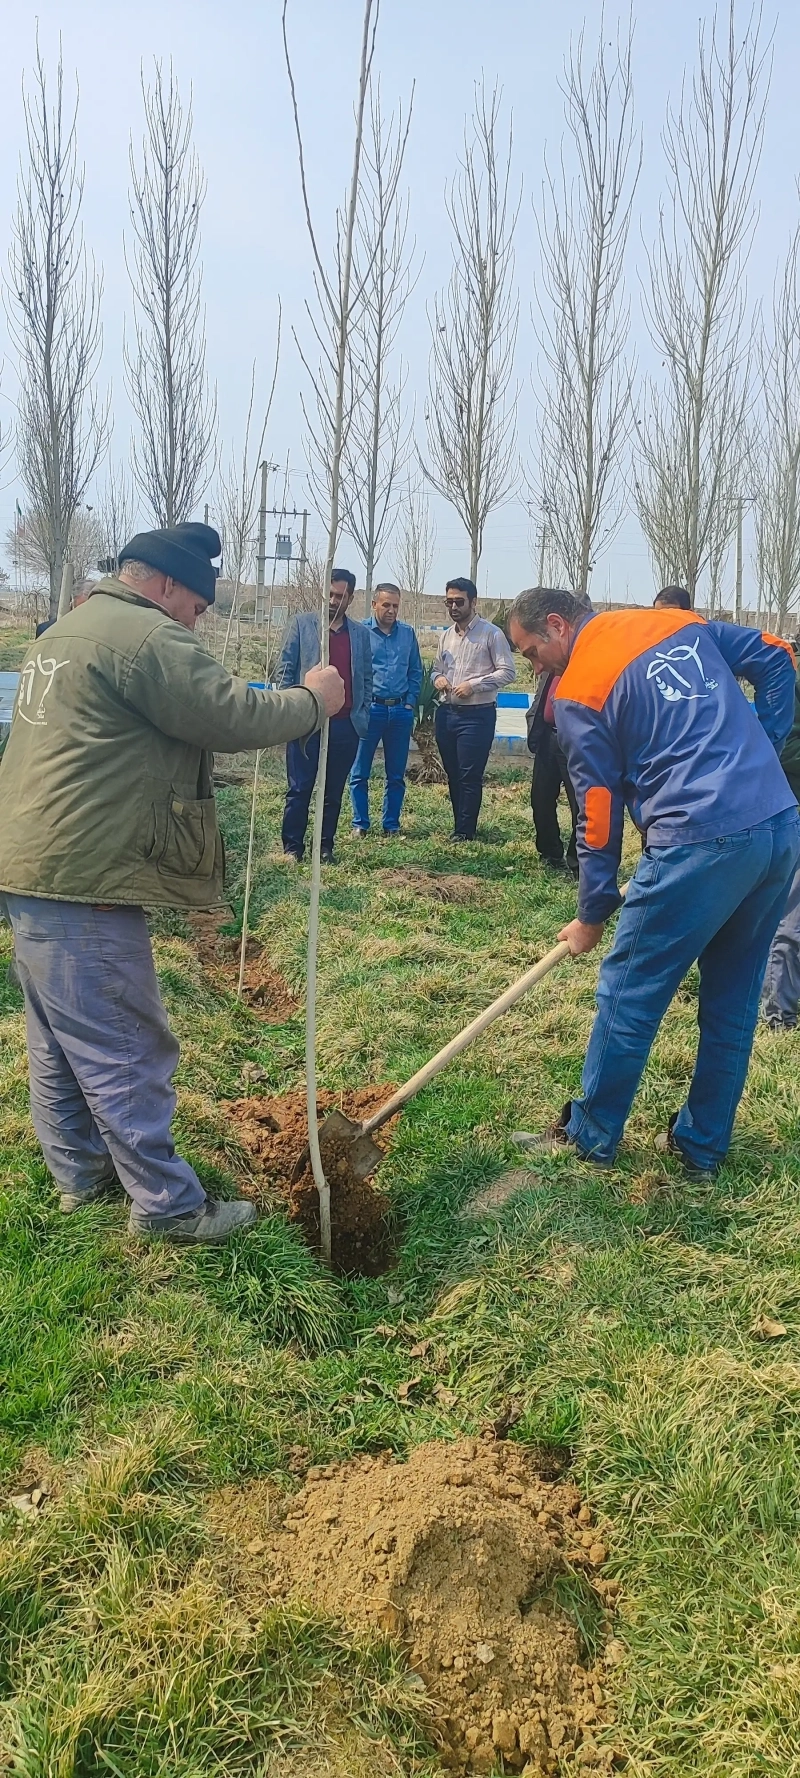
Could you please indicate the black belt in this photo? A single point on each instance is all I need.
(388, 701)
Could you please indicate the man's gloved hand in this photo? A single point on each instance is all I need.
(328, 685)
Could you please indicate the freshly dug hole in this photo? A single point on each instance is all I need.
(263, 990)
(274, 1130)
(457, 1553)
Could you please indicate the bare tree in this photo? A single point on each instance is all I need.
(116, 515)
(337, 297)
(692, 429)
(470, 418)
(416, 542)
(376, 444)
(238, 497)
(583, 232)
(166, 367)
(53, 304)
(777, 509)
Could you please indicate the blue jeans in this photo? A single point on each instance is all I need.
(101, 1053)
(302, 761)
(464, 739)
(718, 903)
(391, 724)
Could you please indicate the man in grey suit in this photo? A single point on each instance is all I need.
(351, 655)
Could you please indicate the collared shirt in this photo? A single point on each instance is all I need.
(396, 662)
(480, 658)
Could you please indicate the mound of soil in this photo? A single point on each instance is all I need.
(455, 1553)
(455, 887)
(274, 1132)
(263, 990)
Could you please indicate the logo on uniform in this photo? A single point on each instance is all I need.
(36, 680)
(672, 682)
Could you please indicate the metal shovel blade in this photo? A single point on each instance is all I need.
(340, 1133)
(337, 1135)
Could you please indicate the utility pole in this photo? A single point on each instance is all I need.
(303, 556)
(739, 561)
(542, 547)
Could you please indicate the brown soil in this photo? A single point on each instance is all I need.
(453, 887)
(274, 1131)
(455, 1554)
(264, 990)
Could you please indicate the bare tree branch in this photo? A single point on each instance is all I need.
(166, 368)
(777, 511)
(376, 442)
(116, 514)
(336, 299)
(692, 430)
(470, 418)
(238, 496)
(53, 304)
(414, 547)
(583, 232)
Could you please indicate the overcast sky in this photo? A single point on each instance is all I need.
(254, 247)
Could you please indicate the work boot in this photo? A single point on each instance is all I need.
(76, 1200)
(209, 1226)
(667, 1143)
(554, 1140)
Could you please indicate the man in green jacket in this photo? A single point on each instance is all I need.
(107, 808)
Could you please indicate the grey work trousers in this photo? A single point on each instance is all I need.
(101, 1053)
(781, 995)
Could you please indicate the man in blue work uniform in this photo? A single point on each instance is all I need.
(396, 682)
(651, 719)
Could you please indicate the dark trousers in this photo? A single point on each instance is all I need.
(302, 760)
(549, 773)
(464, 739)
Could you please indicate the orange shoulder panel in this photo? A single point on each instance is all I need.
(778, 642)
(607, 646)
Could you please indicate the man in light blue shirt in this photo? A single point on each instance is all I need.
(396, 682)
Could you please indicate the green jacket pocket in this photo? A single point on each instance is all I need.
(191, 842)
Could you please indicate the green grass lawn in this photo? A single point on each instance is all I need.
(614, 1312)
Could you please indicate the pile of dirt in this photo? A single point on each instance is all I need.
(452, 887)
(274, 1131)
(455, 1553)
(263, 990)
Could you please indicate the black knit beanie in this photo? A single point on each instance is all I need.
(183, 552)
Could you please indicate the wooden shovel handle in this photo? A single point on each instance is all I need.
(466, 1037)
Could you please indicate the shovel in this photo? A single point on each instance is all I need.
(341, 1135)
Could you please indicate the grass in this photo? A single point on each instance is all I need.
(613, 1313)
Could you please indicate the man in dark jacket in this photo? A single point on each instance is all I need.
(549, 774)
(651, 719)
(350, 653)
(781, 998)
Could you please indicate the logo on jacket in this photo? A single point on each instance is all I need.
(672, 683)
(36, 681)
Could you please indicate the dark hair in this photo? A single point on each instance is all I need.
(462, 585)
(532, 608)
(385, 586)
(674, 598)
(344, 574)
